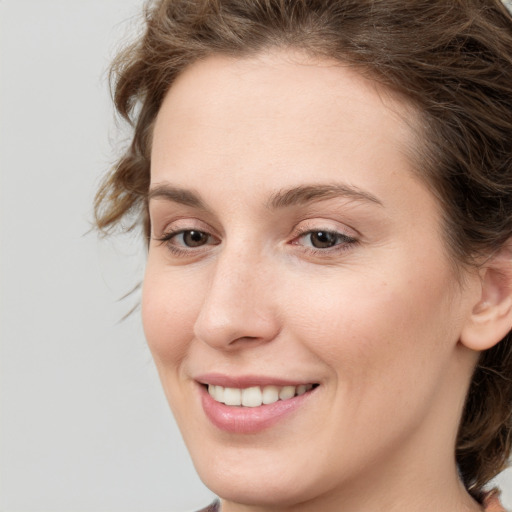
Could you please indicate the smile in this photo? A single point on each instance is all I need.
(246, 406)
(257, 395)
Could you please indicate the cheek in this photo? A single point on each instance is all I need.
(371, 328)
(387, 346)
(169, 310)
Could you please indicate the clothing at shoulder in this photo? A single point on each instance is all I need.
(215, 507)
(491, 503)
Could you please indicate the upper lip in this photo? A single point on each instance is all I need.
(247, 381)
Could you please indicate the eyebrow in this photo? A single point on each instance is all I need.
(282, 199)
(311, 193)
(177, 195)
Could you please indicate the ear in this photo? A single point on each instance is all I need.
(491, 316)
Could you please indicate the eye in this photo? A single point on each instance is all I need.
(192, 238)
(319, 239)
(322, 239)
(185, 240)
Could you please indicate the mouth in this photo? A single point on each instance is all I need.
(256, 396)
(250, 405)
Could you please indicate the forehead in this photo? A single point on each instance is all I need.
(277, 112)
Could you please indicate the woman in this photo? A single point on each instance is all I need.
(326, 188)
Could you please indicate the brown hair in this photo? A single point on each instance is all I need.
(451, 59)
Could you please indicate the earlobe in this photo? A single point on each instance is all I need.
(490, 319)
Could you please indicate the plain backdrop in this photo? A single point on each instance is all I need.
(84, 423)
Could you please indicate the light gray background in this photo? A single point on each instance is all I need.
(84, 424)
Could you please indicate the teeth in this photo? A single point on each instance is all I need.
(270, 394)
(287, 392)
(232, 396)
(256, 396)
(251, 397)
(301, 389)
(218, 394)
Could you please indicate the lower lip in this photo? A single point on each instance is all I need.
(249, 420)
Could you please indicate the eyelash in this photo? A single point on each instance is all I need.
(184, 250)
(343, 241)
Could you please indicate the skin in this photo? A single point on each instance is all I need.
(376, 319)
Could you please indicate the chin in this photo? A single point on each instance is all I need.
(253, 477)
(263, 491)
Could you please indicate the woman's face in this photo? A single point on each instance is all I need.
(294, 253)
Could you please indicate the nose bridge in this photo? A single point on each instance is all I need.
(238, 303)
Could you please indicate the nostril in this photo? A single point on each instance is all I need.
(245, 338)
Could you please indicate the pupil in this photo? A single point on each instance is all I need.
(323, 239)
(194, 238)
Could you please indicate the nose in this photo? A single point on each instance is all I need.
(238, 306)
